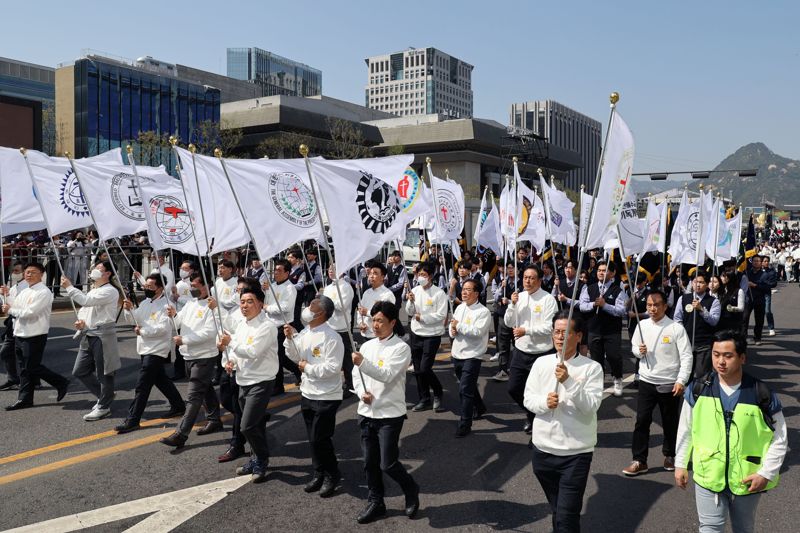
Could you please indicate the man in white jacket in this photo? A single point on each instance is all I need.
(181, 294)
(340, 322)
(198, 332)
(280, 313)
(377, 292)
(380, 380)
(153, 340)
(469, 330)
(318, 350)
(565, 398)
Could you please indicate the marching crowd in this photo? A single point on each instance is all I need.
(237, 336)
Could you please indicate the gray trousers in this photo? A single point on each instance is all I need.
(200, 372)
(254, 400)
(713, 510)
(89, 368)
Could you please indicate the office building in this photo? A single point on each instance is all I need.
(419, 81)
(565, 128)
(25, 91)
(273, 74)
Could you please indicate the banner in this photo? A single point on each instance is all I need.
(483, 214)
(508, 215)
(489, 235)
(531, 220)
(655, 225)
(685, 233)
(448, 200)
(586, 212)
(19, 205)
(558, 208)
(168, 219)
(630, 228)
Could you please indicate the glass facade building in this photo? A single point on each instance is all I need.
(114, 102)
(275, 75)
(24, 80)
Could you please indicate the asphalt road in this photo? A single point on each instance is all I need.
(53, 464)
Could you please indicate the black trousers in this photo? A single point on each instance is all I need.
(670, 407)
(607, 348)
(505, 340)
(520, 368)
(759, 307)
(285, 362)
(229, 398)
(701, 359)
(423, 355)
(380, 443)
(563, 480)
(253, 401)
(467, 372)
(152, 373)
(320, 419)
(179, 365)
(347, 361)
(29, 352)
(8, 355)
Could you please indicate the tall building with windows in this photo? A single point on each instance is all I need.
(566, 128)
(273, 74)
(104, 102)
(27, 93)
(419, 81)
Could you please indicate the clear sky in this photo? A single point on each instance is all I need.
(697, 79)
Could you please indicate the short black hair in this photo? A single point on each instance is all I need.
(109, 268)
(380, 266)
(739, 340)
(659, 293)
(701, 274)
(577, 320)
(191, 264)
(36, 265)
(297, 254)
(387, 308)
(157, 280)
(248, 282)
(427, 267)
(255, 291)
(476, 286)
(287, 266)
(197, 275)
(395, 253)
(227, 263)
(327, 306)
(535, 267)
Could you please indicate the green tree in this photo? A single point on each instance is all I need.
(347, 140)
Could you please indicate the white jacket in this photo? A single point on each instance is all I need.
(198, 328)
(339, 320)
(254, 351)
(287, 295)
(227, 294)
(98, 306)
(536, 313)
(155, 328)
(31, 309)
(431, 305)
(669, 352)
(368, 299)
(184, 293)
(323, 350)
(472, 331)
(384, 370)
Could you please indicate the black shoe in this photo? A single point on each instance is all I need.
(10, 385)
(176, 439)
(462, 431)
(477, 414)
(422, 406)
(231, 454)
(347, 393)
(127, 427)
(19, 404)
(315, 484)
(437, 404)
(371, 512)
(528, 427)
(178, 377)
(412, 502)
(175, 412)
(259, 472)
(329, 486)
(62, 391)
(210, 427)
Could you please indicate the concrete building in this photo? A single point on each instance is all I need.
(272, 74)
(565, 128)
(419, 81)
(25, 91)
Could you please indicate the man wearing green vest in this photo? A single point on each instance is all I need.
(733, 430)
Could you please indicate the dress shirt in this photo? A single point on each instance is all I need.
(619, 308)
(254, 351)
(570, 428)
(323, 350)
(338, 321)
(431, 305)
(198, 330)
(384, 370)
(155, 327)
(98, 306)
(287, 295)
(711, 316)
(368, 299)
(31, 309)
(534, 312)
(472, 331)
(669, 352)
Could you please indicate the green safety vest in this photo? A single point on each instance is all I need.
(725, 453)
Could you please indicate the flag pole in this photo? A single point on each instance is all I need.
(549, 221)
(613, 99)
(716, 235)
(103, 241)
(24, 153)
(441, 246)
(516, 236)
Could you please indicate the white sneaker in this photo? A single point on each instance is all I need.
(96, 414)
(617, 387)
(500, 376)
(495, 357)
(493, 339)
(772, 333)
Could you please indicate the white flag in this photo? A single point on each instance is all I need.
(59, 192)
(616, 173)
(277, 200)
(558, 208)
(363, 207)
(226, 229)
(655, 227)
(586, 212)
(685, 232)
(113, 196)
(631, 228)
(735, 230)
(448, 200)
(19, 205)
(169, 223)
(483, 214)
(508, 215)
(718, 244)
(707, 226)
(532, 224)
(489, 235)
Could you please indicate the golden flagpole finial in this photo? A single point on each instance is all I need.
(172, 140)
(514, 159)
(428, 160)
(67, 155)
(129, 149)
(701, 187)
(539, 171)
(192, 148)
(614, 98)
(447, 173)
(177, 168)
(583, 187)
(217, 153)
(23, 150)
(304, 150)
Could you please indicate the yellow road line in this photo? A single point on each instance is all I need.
(97, 436)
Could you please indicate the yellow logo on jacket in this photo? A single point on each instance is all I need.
(380, 363)
(666, 339)
(429, 302)
(315, 351)
(153, 316)
(200, 313)
(537, 309)
(249, 340)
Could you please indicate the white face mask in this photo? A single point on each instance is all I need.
(422, 281)
(16, 278)
(307, 315)
(95, 274)
(184, 274)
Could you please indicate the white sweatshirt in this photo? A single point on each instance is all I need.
(536, 313)
(155, 328)
(198, 330)
(98, 306)
(338, 320)
(368, 299)
(431, 305)
(570, 428)
(184, 293)
(323, 350)
(472, 331)
(669, 352)
(384, 369)
(227, 294)
(31, 309)
(287, 295)
(254, 351)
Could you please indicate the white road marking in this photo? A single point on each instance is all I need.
(171, 510)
